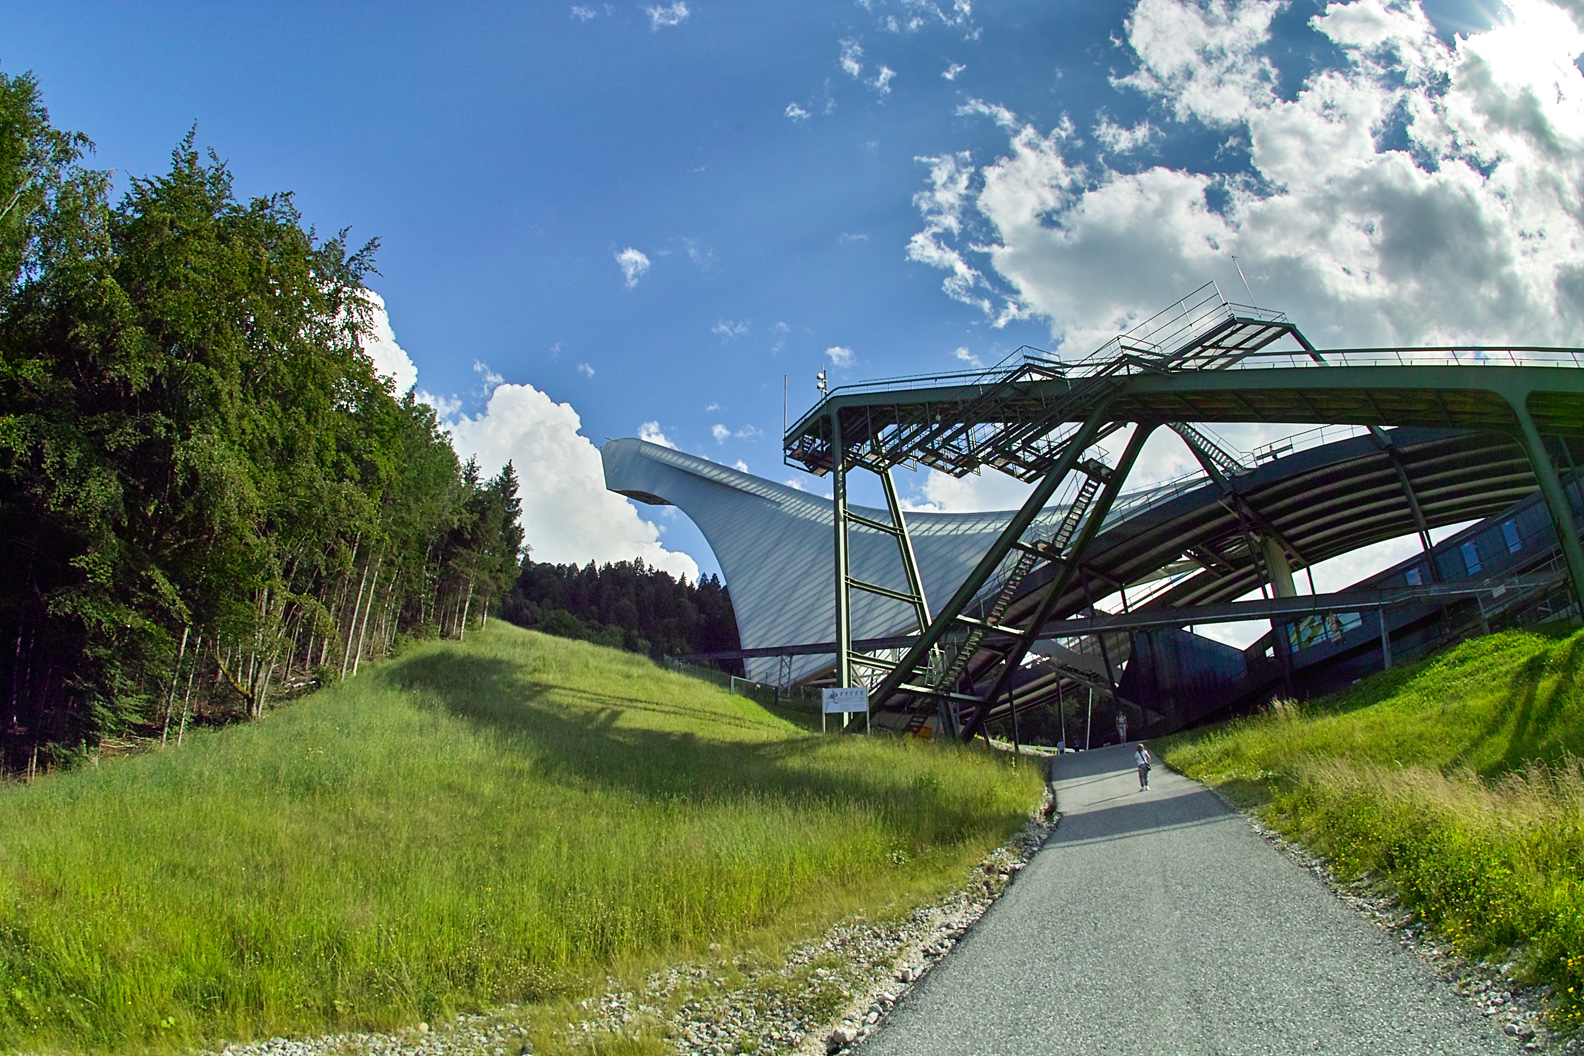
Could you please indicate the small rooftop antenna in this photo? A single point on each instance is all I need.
(1244, 277)
(819, 381)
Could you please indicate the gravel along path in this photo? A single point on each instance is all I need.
(1161, 922)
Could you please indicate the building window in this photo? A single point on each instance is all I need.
(1510, 533)
(1471, 559)
(1415, 577)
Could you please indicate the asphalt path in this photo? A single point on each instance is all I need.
(1160, 922)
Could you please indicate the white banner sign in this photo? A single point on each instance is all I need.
(836, 701)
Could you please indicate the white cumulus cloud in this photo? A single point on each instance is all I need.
(649, 432)
(840, 356)
(1409, 190)
(999, 114)
(720, 433)
(943, 205)
(670, 15)
(796, 112)
(951, 72)
(974, 493)
(633, 264)
(568, 516)
(390, 359)
(444, 406)
(1119, 140)
(851, 57)
(488, 377)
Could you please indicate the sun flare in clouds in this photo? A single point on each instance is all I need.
(1414, 191)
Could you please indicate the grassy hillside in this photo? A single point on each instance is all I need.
(1456, 779)
(505, 820)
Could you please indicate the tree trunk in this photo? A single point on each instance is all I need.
(191, 674)
(462, 631)
(261, 690)
(352, 630)
(170, 699)
(363, 632)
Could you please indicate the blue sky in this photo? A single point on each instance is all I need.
(600, 220)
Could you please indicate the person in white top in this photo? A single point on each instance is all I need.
(1143, 760)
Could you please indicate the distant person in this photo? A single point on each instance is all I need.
(1143, 760)
(1121, 724)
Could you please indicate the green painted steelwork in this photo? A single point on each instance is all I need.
(1067, 566)
(987, 564)
(1201, 360)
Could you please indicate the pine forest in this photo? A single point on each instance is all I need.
(208, 497)
(625, 605)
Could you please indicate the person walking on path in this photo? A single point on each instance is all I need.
(1143, 760)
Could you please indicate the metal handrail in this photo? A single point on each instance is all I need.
(1434, 355)
(1128, 363)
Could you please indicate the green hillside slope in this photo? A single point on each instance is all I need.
(1457, 780)
(502, 820)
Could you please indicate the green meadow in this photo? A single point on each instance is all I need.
(1456, 781)
(505, 820)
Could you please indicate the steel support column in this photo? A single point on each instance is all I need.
(1555, 499)
(839, 509)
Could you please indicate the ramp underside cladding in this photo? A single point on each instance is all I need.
(774, 544)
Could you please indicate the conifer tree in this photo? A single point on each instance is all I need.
(200, 470)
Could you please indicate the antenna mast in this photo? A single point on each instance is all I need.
(1242, 276)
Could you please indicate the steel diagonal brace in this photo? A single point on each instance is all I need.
(1384, 441)
(905, 547)
(987, 565)
(1069, 567)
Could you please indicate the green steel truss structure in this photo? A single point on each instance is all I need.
(1204, 360)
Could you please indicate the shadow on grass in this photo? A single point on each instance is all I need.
(1368, 691)
(584, 744)
(1537, 728)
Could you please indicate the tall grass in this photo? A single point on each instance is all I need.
(504, 820)
(1457, 780)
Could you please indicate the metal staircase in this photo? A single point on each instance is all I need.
(958, 654)
(1209, 453)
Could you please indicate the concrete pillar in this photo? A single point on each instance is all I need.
(1279, 569)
